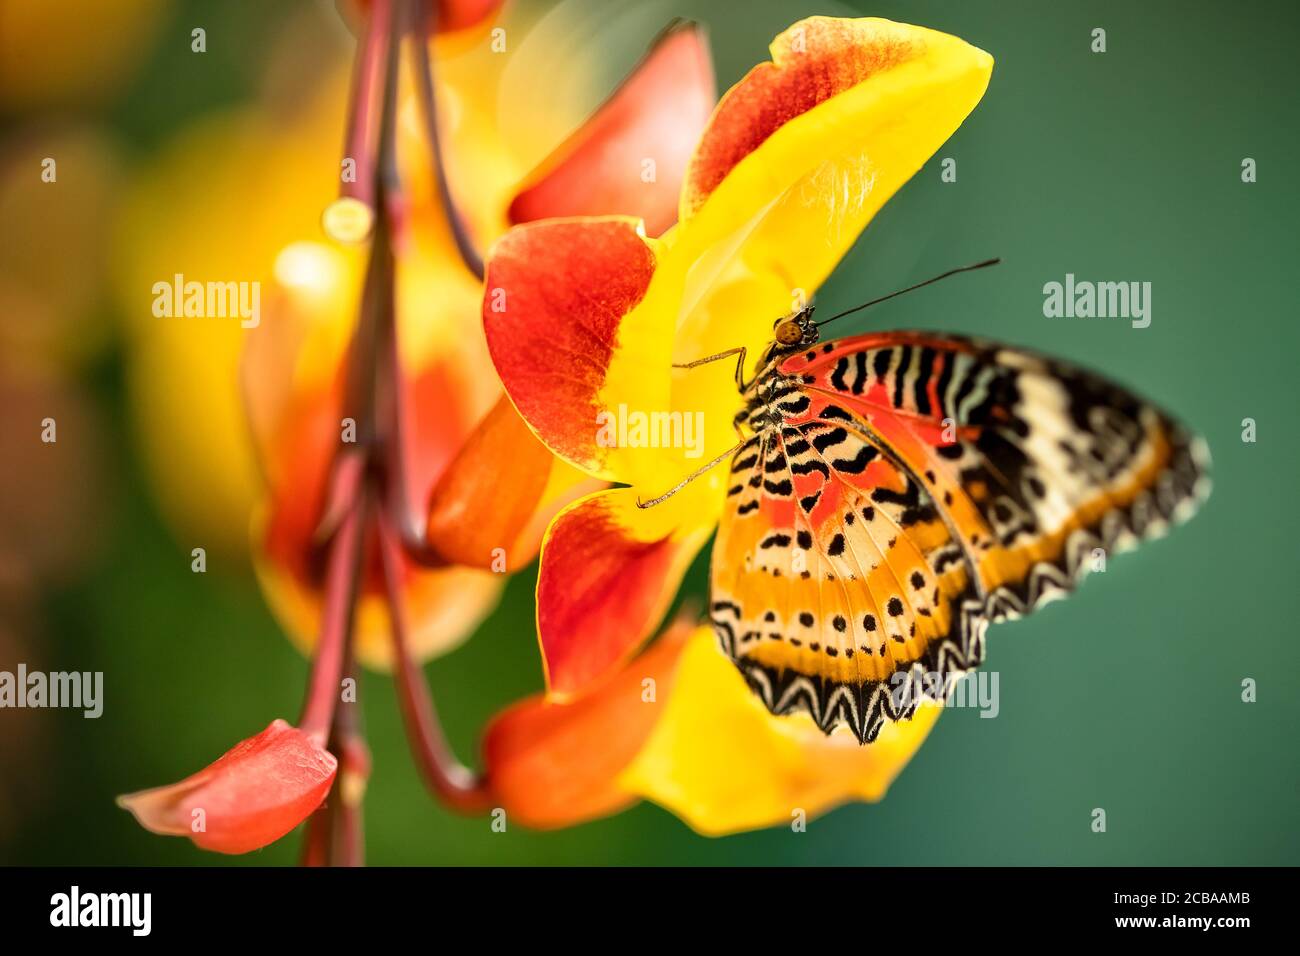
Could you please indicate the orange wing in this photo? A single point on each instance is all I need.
(918, 488)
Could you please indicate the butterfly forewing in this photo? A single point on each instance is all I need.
(902, 491)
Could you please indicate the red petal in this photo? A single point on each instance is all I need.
(602, 587)
(556, 295)
(657, 114)
(252, 795)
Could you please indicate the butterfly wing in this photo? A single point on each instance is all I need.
(918, 488)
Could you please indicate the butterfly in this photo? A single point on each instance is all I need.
(895, 493)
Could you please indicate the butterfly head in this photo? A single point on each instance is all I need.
(794, 332)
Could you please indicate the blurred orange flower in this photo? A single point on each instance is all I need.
(359, 421)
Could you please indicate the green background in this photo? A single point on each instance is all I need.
(1115, 166)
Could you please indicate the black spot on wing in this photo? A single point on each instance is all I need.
(811, 465)
(858, 463)
(827, 439)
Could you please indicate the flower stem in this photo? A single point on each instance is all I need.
(381, 360)
(320, 833)
(351, 216)
(338, 607)
(452, 782)
(347, 840)
(368, 482)
(426, 90)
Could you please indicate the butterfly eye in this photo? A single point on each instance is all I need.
(789, 333)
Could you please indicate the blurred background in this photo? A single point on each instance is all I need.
(1124, 165)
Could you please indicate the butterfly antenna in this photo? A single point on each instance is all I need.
(689, 478)
(884, 298)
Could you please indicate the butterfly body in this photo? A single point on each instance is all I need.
(898, 492)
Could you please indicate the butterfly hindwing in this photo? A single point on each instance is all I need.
(916, 488)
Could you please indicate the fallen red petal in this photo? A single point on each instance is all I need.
(252, 795)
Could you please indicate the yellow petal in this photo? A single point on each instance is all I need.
(801, 154)
(720, 761)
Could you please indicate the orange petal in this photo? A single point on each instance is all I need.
(252, 795)
(555, 764)
(608, 573)
(630, 157)
(564, 324)
(470, 518)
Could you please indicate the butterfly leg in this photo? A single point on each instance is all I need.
(691, 477)
(741, 351)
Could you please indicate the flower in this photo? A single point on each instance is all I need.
(359, 419)
(455, 424)
(585, 318)
(797, 158)
(209, 479)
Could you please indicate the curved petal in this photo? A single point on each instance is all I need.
(630, 157)
(608, 573)
(575, 328)
(470, 519)
(804, 150)
(252, 795)
(858, 66)
(722, 763)
(554, 764)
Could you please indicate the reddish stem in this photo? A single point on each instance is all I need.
(320, 827)
(427, 92)
(338, 605)
(347, 839)
(452, 782)
(363, 128)
(374, 397)
(390, 401)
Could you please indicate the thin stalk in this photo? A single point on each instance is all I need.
(351, 216)
(338, 609)
(425, 90)
(347, 832)
(449, 780)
